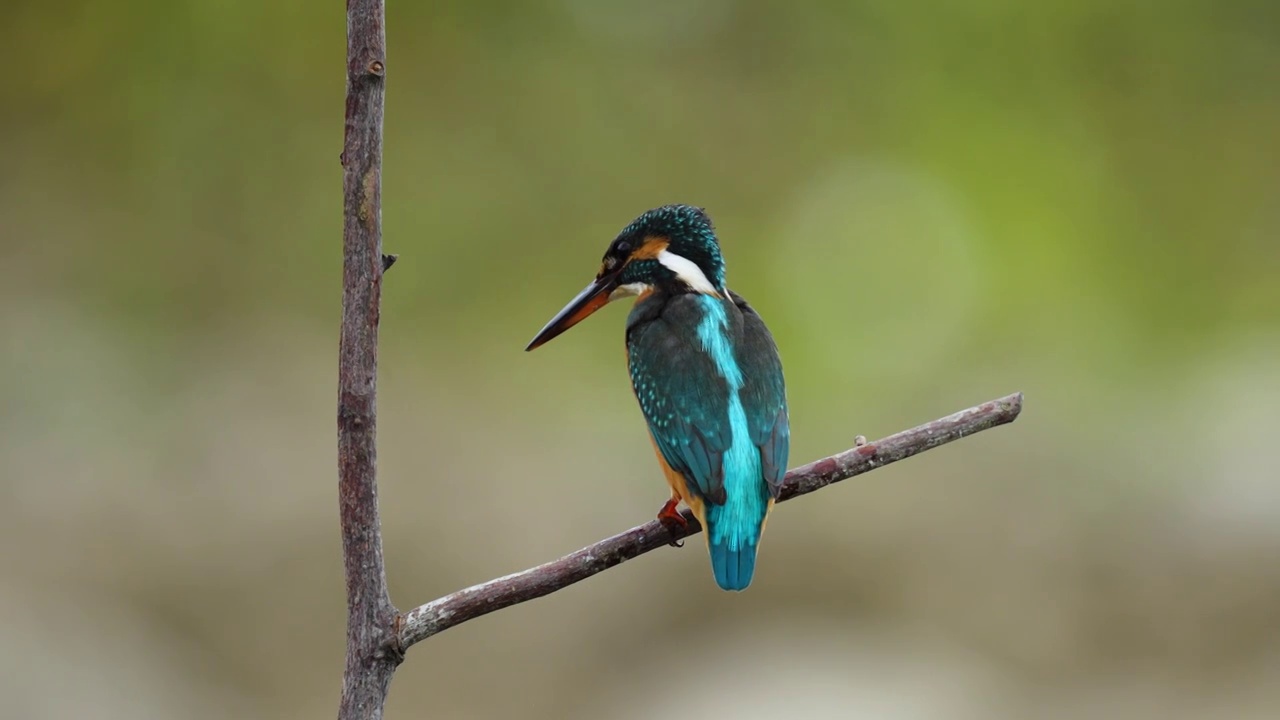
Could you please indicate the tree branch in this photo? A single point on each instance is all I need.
(440, 615)
(372, 647)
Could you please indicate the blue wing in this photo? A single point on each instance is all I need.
(685, 399)
(682, 395)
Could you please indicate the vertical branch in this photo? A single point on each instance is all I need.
(372, 649)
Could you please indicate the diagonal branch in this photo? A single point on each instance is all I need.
(440, 615)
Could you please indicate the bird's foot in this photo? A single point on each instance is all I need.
(671, 519)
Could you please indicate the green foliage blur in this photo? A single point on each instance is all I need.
(931, 203)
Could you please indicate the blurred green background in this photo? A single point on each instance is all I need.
(931, 203)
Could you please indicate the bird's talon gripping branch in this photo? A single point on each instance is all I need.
(672, 520)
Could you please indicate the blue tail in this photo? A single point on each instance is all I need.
(733, 549)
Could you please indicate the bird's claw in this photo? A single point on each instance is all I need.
(672, 520)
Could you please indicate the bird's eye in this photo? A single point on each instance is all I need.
(624, 247)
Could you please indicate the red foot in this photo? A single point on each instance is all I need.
(672, 519)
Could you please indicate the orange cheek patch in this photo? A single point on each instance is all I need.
(650, 249)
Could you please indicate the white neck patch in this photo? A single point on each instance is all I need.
(628, 290)
(688, 271)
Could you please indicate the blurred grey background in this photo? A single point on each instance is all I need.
(931, 203)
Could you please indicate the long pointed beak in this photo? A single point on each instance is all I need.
(594, 297)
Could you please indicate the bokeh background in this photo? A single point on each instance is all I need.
(931, 203)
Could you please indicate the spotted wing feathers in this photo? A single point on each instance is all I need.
(682, 396)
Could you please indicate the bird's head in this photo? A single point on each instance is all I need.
(673, 247)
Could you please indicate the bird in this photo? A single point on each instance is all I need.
(708, 377)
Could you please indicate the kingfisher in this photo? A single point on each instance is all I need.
(707, 375)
